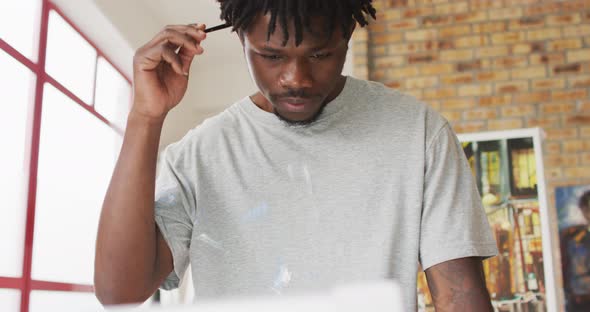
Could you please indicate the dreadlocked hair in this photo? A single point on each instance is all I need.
(240, 14)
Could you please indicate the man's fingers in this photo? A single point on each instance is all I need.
(196, 32)
(174, 60)
(188, 38)
(199, 26)
(176, 39)
(164, 45)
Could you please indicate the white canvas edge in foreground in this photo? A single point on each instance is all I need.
(379, 296)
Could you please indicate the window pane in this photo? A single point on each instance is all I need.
(112, 94)
(18, 85)
(76, 159)
(43, 301)
(70, 58)
(19, 25)
(9, 300)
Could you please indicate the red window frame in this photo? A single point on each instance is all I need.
(25, 283)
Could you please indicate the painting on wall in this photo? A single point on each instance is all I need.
(573, 213)
(507, 166)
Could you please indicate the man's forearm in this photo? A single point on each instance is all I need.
(459, 285)
(126, 241)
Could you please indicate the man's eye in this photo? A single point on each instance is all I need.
(273, 57)
(320, 55)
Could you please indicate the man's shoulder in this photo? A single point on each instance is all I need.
(376, 90)
(387, 98)
(398, 105)
(223, 120)
(208, 130)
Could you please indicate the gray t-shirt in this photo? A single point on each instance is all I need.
(378, 183)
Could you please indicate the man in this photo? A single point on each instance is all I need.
(575, 260)
(316, 180)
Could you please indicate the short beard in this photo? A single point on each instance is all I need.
(301, 123)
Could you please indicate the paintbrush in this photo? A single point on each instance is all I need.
(218, 27)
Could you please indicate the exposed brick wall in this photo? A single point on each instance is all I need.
(492, 65)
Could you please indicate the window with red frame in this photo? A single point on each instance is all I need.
(63, 113)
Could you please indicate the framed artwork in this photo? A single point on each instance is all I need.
(508, 170)
(573, 214)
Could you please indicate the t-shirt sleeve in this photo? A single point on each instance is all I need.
(174, 211)
(454, 224)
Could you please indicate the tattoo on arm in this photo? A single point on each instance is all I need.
(459, 285)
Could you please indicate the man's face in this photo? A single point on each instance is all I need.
(295, 82)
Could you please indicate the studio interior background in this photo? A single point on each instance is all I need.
(486, 65)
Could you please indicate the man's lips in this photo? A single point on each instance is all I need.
(295, 104)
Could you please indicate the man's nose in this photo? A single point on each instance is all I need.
(296, 75)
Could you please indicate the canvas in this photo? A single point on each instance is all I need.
(573, 209)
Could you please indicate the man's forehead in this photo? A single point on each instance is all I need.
(258, 31)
